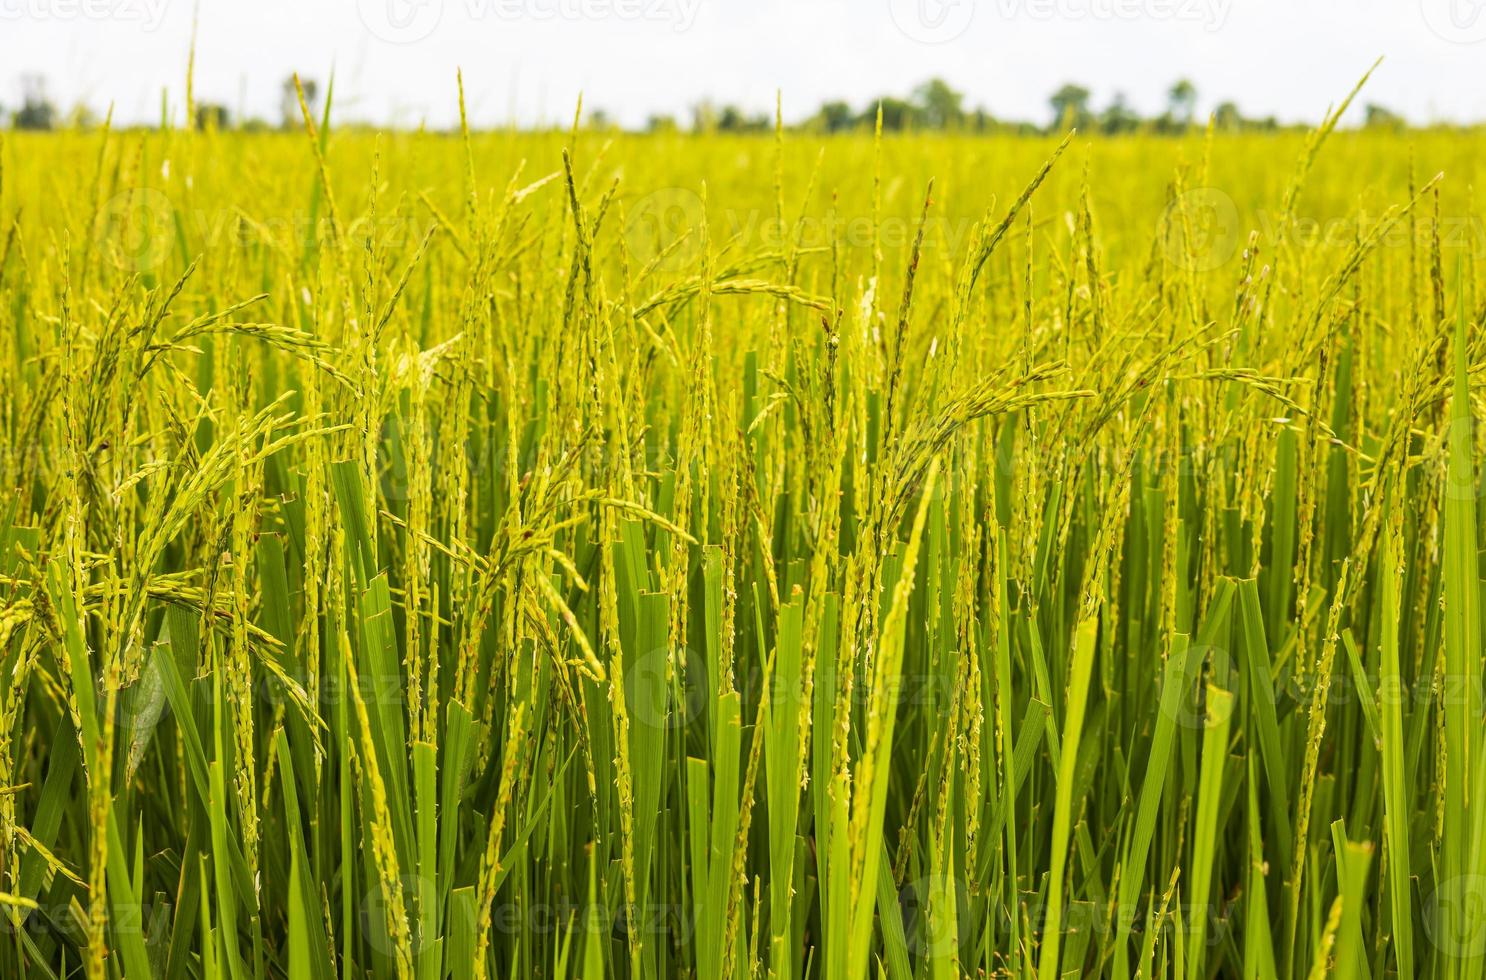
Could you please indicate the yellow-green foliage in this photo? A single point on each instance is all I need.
(522, 554)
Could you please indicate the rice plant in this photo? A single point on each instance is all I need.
(565, 554)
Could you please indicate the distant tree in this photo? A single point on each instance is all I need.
(834, 117)
(289, 101)
(731, 119)
(1181, 101)
(1377, 117)
(940, 105)
(1070, 106)
(599, 119)
(36, 111)
(703, 117)
(897, 114)
(1227, 118)
(1118, 117)
(660, 123)
(211, 115)
(979, 120)
(82, 118)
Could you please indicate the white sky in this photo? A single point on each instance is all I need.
(528, 59)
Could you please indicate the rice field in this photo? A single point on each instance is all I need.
(569, 554)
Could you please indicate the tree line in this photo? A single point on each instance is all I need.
(933, 106)
(936, 106)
